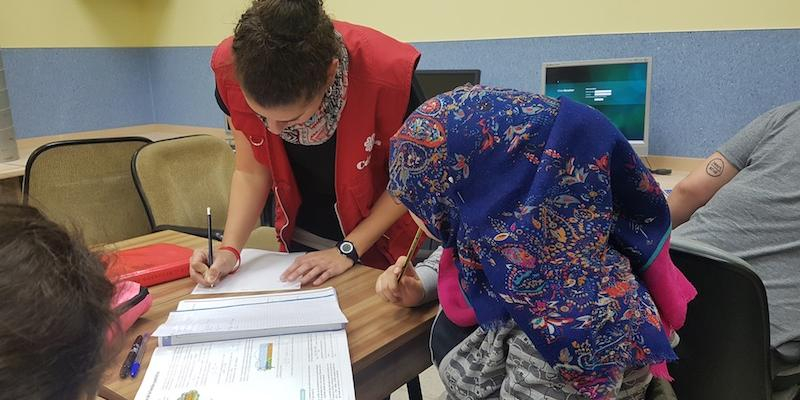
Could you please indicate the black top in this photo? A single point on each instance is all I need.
(314, 170)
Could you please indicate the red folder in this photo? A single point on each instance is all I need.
(149, 265)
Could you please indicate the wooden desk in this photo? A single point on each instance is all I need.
(680, 166)
(388, 344)
(668, 182)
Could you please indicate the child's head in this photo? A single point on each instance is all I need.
(54, 309)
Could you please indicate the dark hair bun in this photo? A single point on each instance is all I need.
(287, 22)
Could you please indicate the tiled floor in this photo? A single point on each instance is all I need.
(432, 388)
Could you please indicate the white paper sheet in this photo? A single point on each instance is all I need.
(241, 317)
(260, 271)
(304, 366)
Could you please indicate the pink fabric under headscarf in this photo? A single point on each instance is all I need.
(451, 298)
(671, 292)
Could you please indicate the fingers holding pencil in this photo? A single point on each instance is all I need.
(411, 251)
(398, 286)
(206, 275)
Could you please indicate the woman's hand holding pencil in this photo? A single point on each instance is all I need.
(207, 268)
(411, 251)
(400, 284)
(406, 291)
(200, 272)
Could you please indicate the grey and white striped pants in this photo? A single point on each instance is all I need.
(503, 364)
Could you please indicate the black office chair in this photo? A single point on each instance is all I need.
(724, 350)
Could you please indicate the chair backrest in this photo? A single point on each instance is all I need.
(724, 346)
(178, 178)
(86, 186)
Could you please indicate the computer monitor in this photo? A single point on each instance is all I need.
(618, 88)
(433, 82)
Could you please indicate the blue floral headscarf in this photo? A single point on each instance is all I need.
(551, 214)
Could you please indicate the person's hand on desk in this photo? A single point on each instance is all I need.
(224, 263)
(317, 267)
(408, 292)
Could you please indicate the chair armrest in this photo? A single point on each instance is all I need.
(786, 376)
(191, 230)
(785, 366)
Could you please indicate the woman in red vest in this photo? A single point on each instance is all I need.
(312, 104)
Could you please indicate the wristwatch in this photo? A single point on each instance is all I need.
(348, 249)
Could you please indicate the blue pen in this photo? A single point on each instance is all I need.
(138, 361)
(126, 365)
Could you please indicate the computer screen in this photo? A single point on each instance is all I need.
(619, 88)
(433, 82)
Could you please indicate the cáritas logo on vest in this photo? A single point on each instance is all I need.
(368, 145)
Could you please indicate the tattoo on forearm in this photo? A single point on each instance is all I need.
(715, 167)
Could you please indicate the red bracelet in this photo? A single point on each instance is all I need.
(235, 253)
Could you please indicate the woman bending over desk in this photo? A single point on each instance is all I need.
(312, 104)
(551, 236)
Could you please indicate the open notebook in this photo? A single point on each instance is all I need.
(243, 317)
(278, 346)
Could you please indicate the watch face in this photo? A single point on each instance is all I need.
(346, 247)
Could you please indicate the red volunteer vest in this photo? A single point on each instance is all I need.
(379, 84)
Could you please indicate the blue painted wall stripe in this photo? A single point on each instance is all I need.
(66, 90)
(183, 86)
(706, 85)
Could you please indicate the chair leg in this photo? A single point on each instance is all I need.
(414, 389)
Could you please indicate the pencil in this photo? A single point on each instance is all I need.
(410, 253)
(210, 241)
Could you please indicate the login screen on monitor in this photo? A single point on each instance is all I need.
(617, 90)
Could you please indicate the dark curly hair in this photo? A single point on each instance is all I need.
(55, 310)
(283, 49)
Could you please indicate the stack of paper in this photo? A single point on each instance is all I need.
(304, 366)
(290, 346)
(260, 271)
(243, 317)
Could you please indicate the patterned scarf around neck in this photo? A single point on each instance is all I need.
(551, 214)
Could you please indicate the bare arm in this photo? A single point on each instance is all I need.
(384, 213)
(319, 266)
(250, 185)
(699, 187)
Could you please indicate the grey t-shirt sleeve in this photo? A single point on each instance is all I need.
(428, 273)
(739, 149)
